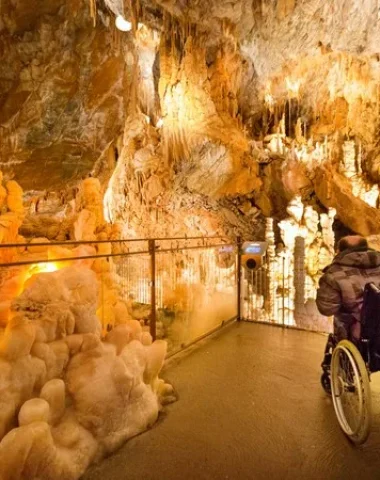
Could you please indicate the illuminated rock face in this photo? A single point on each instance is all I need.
(148, 201)
(352, 169)
(293, 272)
(69, 396)
(62, 85)
(245, 102)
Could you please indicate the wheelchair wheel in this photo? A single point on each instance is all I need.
(351, 391)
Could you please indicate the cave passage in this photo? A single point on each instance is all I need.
(251, 407)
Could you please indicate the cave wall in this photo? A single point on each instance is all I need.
(64, 86)
(214, 80)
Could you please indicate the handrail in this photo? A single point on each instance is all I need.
(147, 251)
(91, 242)
(68, 259)
(68, 242)
(198, 247)
(122, 254)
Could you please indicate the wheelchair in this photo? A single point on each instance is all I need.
(347, 369)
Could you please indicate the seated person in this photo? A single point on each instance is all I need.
(341, 286)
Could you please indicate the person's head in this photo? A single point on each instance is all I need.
(352, 241)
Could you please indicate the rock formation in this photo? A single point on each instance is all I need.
(230, 110)
(69, 395)
(284, 291)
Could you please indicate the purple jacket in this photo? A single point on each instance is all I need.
(341, 287)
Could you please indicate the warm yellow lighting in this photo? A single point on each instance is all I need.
(353, 90)
(34, 270)
(293, 86)
(42, 268)
(268, 97)
(268, 100)
(159, 123)
(122, 24)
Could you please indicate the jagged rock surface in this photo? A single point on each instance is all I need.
(218, 73)
(63, 85)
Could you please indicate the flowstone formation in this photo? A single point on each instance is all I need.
(11, 216)
(70, 393)
(309, 247)
(78, 372)
(149, 201)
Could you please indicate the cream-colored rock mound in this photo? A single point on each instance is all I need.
(67, 397)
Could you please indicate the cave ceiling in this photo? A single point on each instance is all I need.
(69, 81)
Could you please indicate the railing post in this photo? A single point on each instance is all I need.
(153, 314)
(238, 246)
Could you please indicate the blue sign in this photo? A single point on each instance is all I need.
(255, 248)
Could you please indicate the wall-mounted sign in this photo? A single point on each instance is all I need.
(225, 256)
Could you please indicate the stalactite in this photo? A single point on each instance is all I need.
(93, 11)
(134, 9)
(116, 37)
(133, 104)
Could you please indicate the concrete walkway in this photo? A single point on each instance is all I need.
(250, 407)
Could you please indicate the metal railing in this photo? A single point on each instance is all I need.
(277, 294)
(179, 289)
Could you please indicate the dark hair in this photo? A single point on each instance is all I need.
(344, 243)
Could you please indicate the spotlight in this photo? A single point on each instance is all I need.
(123, 24)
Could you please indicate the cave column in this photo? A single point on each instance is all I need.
(299, 276)
(270, 293)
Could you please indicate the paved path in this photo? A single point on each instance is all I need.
(250, 408)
